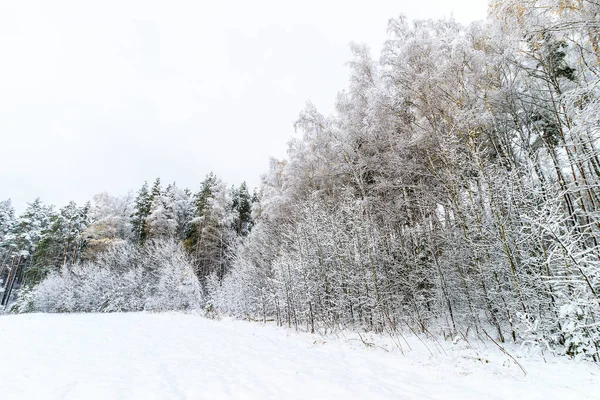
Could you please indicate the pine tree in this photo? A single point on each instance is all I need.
(156, 189)
(28, 232)
(200, 201)
(141, 207)
(162, 220)
(62, 242)
(201, 198)
(242, 205)
(212, 237)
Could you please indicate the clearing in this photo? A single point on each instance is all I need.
(183, 356)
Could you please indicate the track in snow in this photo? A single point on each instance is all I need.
(179, 356)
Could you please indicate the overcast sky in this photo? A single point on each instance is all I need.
(102, 95)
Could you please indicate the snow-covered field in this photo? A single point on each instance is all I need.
(179, 356)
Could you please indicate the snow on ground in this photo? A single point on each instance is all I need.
(181, 356)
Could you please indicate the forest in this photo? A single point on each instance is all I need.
(454, 190)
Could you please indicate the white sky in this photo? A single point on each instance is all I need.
(103, 95)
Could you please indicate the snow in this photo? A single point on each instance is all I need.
(184, 356)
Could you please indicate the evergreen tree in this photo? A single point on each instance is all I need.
(141, 210)
(156, 189)
(213, 237)
(62, 242)
(206, 187)
(200, 200)
(242, 205)
(162, 220)
(30, 229)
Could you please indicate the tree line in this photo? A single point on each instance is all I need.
(455, 189)
(43, 240)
